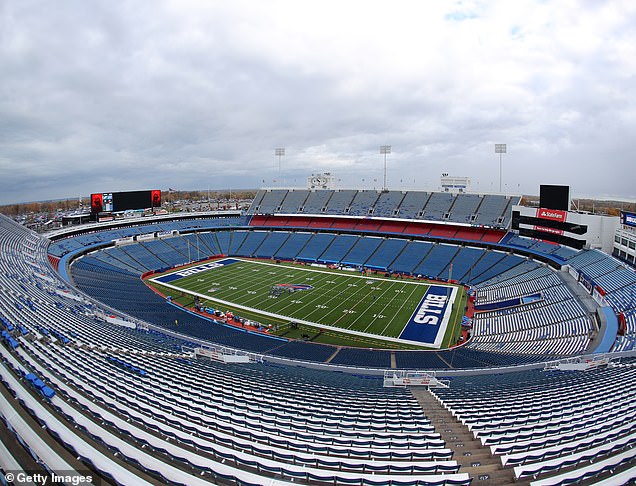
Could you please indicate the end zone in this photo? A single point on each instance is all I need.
(186, 272)
(429, 321)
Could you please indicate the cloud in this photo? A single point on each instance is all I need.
(196, 94)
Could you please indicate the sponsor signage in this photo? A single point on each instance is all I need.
(586, 365)
(586, 282)
(412, 381)
(146, 237)
(222, 357)
(428, 323)
(124, 241)
(545, 229)
(186, 272)
(552, 214)
(629, 219)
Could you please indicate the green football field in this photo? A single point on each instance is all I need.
(350, 302)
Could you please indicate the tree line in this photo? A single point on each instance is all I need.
(83, 204)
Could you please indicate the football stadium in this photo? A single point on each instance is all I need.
(322, 336)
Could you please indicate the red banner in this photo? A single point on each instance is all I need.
(553, 214)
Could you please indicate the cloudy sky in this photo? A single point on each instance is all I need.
(124, 95)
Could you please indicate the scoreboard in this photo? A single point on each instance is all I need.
(554, 197)
(571, 228)
(113, 202)
(554, 222)
(554, 225)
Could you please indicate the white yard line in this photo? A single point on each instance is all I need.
(406, 324)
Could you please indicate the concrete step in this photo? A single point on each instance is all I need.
(474, 459)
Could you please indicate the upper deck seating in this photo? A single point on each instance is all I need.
(438, 206)
(271, 201)
(412, 205)
(387, 204)
(340, 201)
(464, 208)
(294, 201)
(363, 203)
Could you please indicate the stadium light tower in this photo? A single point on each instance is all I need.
(500, 148)
(385, 149)
(279, 152)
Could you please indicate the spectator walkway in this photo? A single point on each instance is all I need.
(470, 454)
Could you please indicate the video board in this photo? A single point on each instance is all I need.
(554, 197)
(112, 202)
(551, 225)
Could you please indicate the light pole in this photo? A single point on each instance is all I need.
(385, 149)
(500, 148)
(279, 152)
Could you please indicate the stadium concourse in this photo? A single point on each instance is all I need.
(96, 380)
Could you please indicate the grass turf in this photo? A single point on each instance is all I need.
(347, 300)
